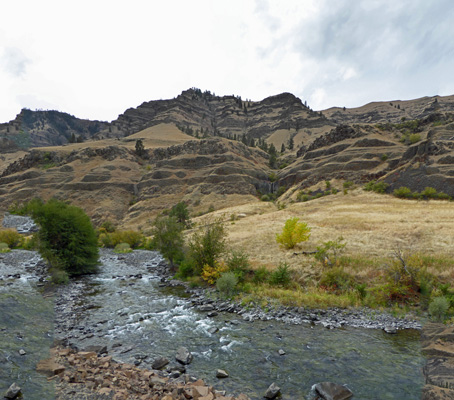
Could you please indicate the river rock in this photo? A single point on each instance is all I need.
(390, 329)
(332, 391)
(183, 356)
(159, 363)
(97, 349)
(13, 391)
(49, 367)
(22, 352)
(206, 307)
(273, 391)
(281, 352)
(220, 373)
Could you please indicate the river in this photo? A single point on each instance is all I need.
(126, 308)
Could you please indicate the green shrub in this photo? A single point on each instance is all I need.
(438, 308)
(414, 138)
(294, 232)
(226, 283)
(133, 238)
(384, 157)
(66, 236)
(336, 280)
(181, 213)
(403, 192)
(281, 276)
(186, 269)
(429, 193)
(329, 252)
(361, 288)
(11, 237)
(122, 248)
(301, 196)
(348, 185)
(207, 245)
(261, 275)
(238, 263)
(334, 191)
(265, 197)
(4, 248)
(377, 187)
(105, 240)
(58, 276)
(168, 238)
(108, 226)
(30, 242)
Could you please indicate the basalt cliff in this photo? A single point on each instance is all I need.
(213, 152)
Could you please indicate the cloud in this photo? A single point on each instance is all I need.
(14, 62)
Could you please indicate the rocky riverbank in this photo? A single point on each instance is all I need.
(91, 376)
(208, 301)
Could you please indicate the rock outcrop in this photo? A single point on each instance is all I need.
(438, 347)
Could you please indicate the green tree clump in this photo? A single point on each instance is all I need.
(181, 213)
(207, 245)
(140, 149)
(67, 238)
(294, 232)
(168, 238)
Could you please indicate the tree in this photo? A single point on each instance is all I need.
(168, 238)
(207, 245)
(140, 149)
(294, 232)
(273, 156)
(283, 148)
(181, 213)
(291, 143)
(67, 238)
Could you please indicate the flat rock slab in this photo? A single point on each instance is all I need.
(332, 391)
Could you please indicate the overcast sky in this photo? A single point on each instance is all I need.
(96, 58)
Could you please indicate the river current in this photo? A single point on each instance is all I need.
(125, 308)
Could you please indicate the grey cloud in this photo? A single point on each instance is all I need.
(14, 62)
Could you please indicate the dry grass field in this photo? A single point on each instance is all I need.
(373, 227)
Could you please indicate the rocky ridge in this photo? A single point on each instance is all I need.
(210, 170)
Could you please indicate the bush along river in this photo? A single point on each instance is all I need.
(139, 315)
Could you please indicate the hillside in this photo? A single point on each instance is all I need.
(214, 152)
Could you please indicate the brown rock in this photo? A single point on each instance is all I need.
(49, 367)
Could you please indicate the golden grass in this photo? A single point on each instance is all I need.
(372, 225)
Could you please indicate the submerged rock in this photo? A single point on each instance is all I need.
(273, 391)
(13, 391)
(183, 356)
(159, 363)
(220, 373)
(332, 391)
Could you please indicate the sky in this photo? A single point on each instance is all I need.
(96, 58)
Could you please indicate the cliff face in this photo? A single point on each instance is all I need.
(114, 183)
(191, 153)
(45, 128)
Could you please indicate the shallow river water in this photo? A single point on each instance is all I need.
(125, 308)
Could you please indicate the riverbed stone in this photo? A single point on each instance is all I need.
(183, 356)
(159, 363)
(49, 367)
(13, 391)
(332, 391)
(220, 373)
(22, 352)
(273, 391)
